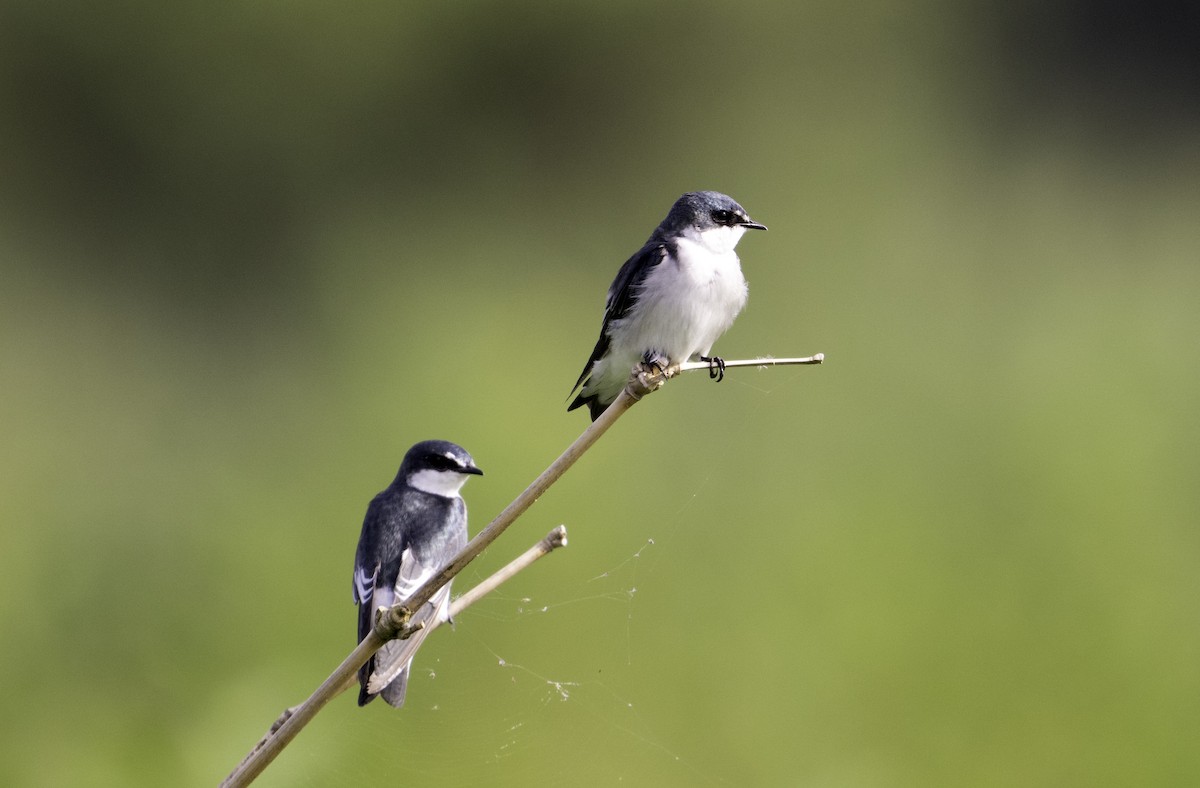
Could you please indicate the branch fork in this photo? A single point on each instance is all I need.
(392, 623)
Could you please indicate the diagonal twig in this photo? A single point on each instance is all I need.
(271, 744)
(393, 623)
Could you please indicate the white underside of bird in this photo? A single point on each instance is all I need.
(683, 306)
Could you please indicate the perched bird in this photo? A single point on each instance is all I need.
(412, 529)
(672, 299)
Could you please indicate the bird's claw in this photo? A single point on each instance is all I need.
(651, 373)
(655, 363)
(716, 367)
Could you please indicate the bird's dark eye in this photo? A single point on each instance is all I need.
(442, 463)
(723, 217)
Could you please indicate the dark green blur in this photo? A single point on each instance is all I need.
(250, 252)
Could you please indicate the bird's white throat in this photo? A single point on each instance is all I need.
(443, 483)
(718, 240)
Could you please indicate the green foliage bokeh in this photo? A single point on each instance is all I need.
(250, 253)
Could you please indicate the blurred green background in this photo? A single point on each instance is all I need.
(250, 252)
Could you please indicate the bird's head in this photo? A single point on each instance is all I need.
(713, 219)
(438, 467)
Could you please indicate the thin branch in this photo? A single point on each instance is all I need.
(281, 733)
(766, 361)
(390, 624)
(552, 541)
(393, 623)
(395, 620)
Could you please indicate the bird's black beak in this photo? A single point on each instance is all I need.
(474, 469)
(749, 225)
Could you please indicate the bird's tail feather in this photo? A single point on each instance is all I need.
(394, 692)
(389, 675)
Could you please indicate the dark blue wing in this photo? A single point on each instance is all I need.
(622, 296)
(377, 564)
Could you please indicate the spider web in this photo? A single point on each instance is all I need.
(495, 697)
